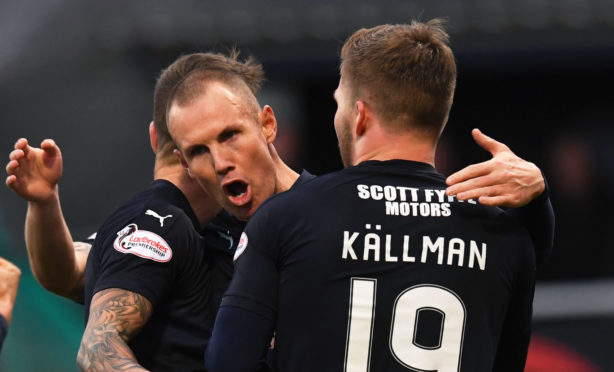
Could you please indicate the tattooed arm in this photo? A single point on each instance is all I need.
(116, 316)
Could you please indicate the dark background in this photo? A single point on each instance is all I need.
(535, 74)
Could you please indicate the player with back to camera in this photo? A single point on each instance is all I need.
(374, 267)
(58, 262)
(60, 268)
(225, 140)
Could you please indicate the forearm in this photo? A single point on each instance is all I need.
(7, 303)
(103, 349)
(51, 250)
(116, 316)
(538, 219)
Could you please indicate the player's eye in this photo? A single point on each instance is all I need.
(228, 134)
(198, 150)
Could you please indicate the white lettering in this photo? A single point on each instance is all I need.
(435, 210)
(428, 194)
(406, 256)
(389, 257)
(441, 194)
(425, 209)
(412, 190)
(363, 191)
(458, 251)
(376, 192)
(445, 210)
(405, 209)
(372, 243)
(347, 245)
(479, 255)
(390, 193)
(392, 208)
(429, 246)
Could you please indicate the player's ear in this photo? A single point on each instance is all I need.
(182, 160)
(153, 137)
(268, 123)
(362, 112)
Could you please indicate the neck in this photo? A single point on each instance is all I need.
(382, 145)
(285, 176)
(202, 204)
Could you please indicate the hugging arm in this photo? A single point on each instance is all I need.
(507, 180)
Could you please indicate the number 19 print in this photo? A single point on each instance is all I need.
(406, 345)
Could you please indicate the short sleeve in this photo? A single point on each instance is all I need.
(90, 239)
(142, 256)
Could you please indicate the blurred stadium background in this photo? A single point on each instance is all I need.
(536, 74)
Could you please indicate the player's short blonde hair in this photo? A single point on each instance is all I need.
(406, 72)
(183, 80)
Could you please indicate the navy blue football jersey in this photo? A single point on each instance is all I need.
(151, 245)
(222, 236)
(374, 268)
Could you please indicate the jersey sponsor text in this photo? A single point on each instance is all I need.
(410, 201)
(142, 243)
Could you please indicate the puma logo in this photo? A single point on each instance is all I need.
(149, 212)
(227, 237)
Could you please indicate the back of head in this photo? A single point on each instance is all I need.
(406, 72)
(183, 77)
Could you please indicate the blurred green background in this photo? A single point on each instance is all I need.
(46, 329)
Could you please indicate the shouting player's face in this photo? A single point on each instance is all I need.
(343, 126)
(224, 143)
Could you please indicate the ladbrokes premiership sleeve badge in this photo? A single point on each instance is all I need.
(142, 243)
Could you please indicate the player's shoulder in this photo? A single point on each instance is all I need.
(152, 224)
(516, 238)
(161, 209)
(497, 222)
(496, 217)
(310, 191)
(300, 194)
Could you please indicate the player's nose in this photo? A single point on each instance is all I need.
(223, 160)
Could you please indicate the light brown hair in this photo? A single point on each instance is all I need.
(406, 72)
(183, 80)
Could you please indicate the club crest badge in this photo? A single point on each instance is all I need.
(241, 247)
(142, 243)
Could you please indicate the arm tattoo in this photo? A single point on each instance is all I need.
(116, 315)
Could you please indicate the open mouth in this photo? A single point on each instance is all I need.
(237, 192)
(236, 189)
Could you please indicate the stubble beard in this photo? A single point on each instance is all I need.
(346, 145)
